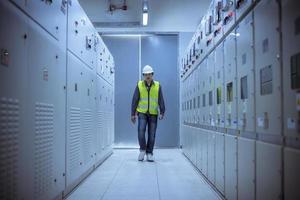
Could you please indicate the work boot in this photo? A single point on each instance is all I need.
(150, 157)
(141, 155)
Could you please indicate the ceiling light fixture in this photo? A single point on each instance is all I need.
(145, 18)
(145, 13)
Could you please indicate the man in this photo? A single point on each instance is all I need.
(146, 100)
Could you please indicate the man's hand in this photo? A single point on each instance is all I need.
(133, 118)
(161, 116)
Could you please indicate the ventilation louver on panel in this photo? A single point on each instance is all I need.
(74, 139)
(43, 143)
(87, 134)
(109, 128)
(106, 129)
(100, 126)
(9, 144)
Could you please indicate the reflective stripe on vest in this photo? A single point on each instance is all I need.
(143, 105)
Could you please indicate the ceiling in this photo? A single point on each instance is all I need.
(164, 15)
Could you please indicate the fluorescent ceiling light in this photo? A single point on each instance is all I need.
(235, 34)
(145, 18)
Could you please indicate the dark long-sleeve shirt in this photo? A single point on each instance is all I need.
(136, 98)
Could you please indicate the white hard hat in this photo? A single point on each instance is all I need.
(147, 69)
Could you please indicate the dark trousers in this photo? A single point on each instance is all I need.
(143, 121)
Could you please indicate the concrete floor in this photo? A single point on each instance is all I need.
(122, 177)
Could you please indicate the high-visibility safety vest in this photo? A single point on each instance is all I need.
(148, 99)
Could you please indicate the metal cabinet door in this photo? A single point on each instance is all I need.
(291, 175)
(46, 112)
(204, 152)
(291, 66)
(183, 139)
(13, 87)
(111, 118)
(211, 88)
(268, 171)
(267, 69)
(193, 145)
(81, 34)
(220, 162)
(205, 89)
(245, 75)
(99, 127)
(230, 81)
(211, 157)
(219, 90)
(88, 105)
(51, 15)
(230, 167)
(246, 169)
(198, 95)
(194, 97)
(191, 77)
(199, 150)
(75, 91)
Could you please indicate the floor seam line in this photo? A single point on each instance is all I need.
(112, 180)
(159, 196)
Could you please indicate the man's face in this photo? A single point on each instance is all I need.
(148, 77)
